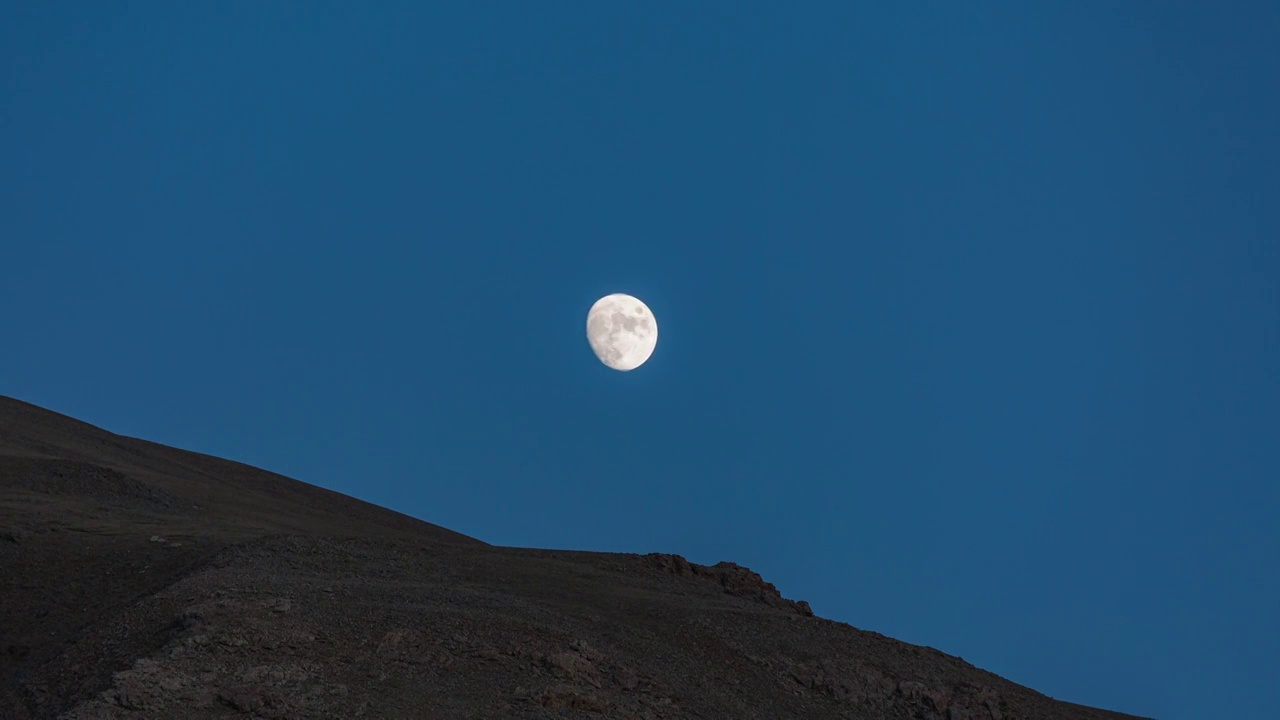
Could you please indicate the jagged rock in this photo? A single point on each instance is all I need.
(734, 579)
(673, 564)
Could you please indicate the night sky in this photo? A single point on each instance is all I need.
(970, 312)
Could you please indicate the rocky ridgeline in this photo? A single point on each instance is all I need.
(735, 579)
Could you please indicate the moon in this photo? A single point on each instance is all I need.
(622, 331)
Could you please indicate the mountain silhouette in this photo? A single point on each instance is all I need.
(142, 581)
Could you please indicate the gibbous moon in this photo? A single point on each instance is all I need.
(622, 331)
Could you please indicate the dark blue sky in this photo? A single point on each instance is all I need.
(970, 320)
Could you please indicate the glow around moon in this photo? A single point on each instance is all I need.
(622, 331)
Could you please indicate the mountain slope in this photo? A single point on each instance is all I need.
(143, 581)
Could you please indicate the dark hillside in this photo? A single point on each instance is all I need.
(141, 581)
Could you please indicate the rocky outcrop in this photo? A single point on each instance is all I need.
(735, 580)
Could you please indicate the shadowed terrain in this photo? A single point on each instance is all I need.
(141, 581)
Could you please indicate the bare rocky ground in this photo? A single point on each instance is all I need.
(139, 581)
